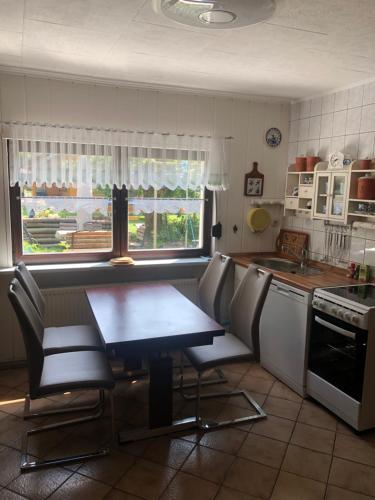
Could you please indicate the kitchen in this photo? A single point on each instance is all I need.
(105, 105)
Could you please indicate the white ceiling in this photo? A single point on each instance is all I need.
(308, 47)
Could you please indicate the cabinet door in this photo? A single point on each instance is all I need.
(322, 191)
(337, 198)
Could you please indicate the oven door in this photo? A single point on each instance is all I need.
(337, 353)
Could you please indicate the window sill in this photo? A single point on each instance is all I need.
(103, 273)
(104, 266)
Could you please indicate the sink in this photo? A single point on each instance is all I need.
(276, 264)
(286, 266)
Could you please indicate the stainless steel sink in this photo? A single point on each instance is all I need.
(286, 266)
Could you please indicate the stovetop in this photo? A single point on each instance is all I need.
(361, 294)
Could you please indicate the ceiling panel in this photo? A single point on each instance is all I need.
(305, 48)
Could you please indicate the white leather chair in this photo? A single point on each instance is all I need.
(241, 343)
(56, 374)
(62, 338)
(210, 291)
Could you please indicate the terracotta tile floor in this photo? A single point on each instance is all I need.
(300, 452)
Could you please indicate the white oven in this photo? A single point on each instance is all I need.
(341, 358)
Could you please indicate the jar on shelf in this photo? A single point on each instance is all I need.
(366, 188)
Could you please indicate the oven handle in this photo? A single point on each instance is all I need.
(335, 328)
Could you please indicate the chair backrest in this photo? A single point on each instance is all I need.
(211, 285)
(246, 307)
(31, 288)
(32, 332)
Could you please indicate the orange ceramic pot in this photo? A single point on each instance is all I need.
(311, 161)
(300, 164)
(365, 164)
(366, 188)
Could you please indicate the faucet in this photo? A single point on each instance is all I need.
(302, 256)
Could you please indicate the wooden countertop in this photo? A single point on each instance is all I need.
(331, 276)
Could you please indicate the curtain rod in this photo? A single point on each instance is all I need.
(97, 129)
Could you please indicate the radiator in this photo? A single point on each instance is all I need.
(69, 306)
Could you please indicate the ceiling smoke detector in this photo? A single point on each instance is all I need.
(216, 14)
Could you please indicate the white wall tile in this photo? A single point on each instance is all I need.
(305, 109)
(295, 110)
(341, 100)
(339, 123)
(366, 145)
(328, 103)
(314, 128)
(293, 131)
(369, 94)
(355, 96)
(313, 147)
(357, 250)
(351, 145)
(316, 106)
(302, 148)
(370, 253)
(353, 120)
(338, 143)
(292, 152)
(317, 242)
(325, 148)
(303, 134)
(368, 118)
(326, 125)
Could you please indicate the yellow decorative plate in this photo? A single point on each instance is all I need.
(258, 219)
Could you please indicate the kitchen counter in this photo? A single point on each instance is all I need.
(331, 276)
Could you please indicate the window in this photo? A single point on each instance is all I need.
(81, 218)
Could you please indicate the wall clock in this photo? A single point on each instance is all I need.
(273, 137)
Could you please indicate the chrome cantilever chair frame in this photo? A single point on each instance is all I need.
(27, 466)
(209, 425)
(47, 377)
(28, 413)
(32, 289)
(212, 307)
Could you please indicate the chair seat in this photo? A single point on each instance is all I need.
(71, 338)
(225, 349)
(74, 370)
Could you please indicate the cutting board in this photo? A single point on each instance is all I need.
(295, 240)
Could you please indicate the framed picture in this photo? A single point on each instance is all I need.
(254, 182)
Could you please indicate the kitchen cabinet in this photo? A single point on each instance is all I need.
(330, 195)
(299, 192)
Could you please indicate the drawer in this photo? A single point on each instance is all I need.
(291, 203)
(306, 192)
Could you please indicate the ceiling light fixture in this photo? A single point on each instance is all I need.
(216, 14)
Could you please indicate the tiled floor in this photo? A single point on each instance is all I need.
(300, 452)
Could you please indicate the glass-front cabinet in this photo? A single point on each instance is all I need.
(330, 195)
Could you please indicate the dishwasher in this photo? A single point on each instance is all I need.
(284, 332)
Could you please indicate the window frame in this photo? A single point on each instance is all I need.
(119, 234)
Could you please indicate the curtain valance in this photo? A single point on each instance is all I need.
(63, 155)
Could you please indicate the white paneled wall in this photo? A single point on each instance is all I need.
(341, 121)
(75, 103)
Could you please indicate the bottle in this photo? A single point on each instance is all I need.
(351, 270)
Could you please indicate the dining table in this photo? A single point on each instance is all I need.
(151, 320)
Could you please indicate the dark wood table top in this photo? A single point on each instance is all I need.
(150, 316)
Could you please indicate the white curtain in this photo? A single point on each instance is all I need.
(161, 206)
(67, 156)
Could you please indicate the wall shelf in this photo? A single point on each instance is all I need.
(267, 201)
(367, 216)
